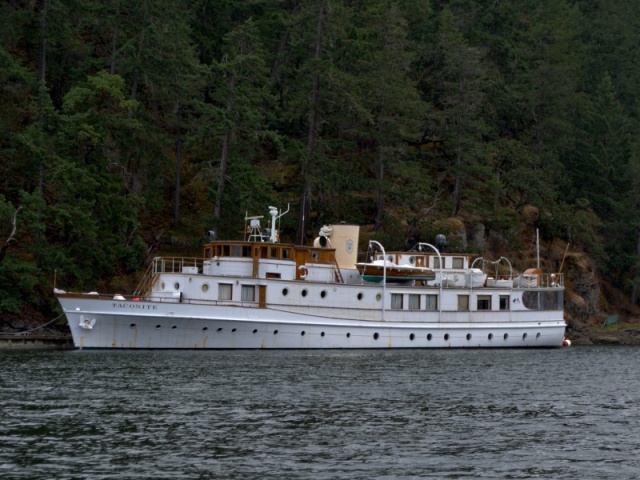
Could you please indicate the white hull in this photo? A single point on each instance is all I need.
(107, 323)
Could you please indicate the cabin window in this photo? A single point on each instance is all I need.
(273, 252)
(224, 291)
(235, 250)
(286, 253)
(484, 302)
(246, 251)
(226, 250)
(547, 300)
(414, 302)
(463, 303)
(432, 302)
(396, 301)
(248, 293)
(436, 262)
(457, 262)
(504, 302)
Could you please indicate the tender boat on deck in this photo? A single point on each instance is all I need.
(259, 293)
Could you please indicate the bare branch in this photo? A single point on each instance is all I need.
(11, 238)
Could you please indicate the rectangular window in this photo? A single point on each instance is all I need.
(463, 303)
(235, 250)
(414, 302)
(504, 302)
(432, 302)
(436, 262)
(224, 291)
(458, 262)
(396, 301)
(484, 302)
(248, 293)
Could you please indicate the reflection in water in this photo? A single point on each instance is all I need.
(569, 413)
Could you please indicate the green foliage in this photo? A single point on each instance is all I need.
(152, 118)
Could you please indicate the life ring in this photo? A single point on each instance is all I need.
(304, 269)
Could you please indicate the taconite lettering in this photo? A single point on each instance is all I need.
(134, 306)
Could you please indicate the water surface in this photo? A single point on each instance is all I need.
(566, 413)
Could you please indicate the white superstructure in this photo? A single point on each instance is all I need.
(260, 293)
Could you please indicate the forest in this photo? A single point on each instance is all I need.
(130, 128)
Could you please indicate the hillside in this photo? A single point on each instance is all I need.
(131, 128)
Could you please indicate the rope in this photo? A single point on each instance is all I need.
(37, 328)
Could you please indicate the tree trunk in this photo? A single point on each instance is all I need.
(380, 192)
(308, 167)
(634, 288)
(176, 207)
(114, 39)
(224, 157)
(138, 56)
(42, 61)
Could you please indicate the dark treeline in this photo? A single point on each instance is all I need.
(126, 124)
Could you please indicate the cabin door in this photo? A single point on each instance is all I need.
(262, 296)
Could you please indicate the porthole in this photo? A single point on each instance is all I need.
(204, 329)
(176, 286)
(376, 336)
(285, 292)
(429, 336)
(255, 330)
(322, 334)
(490, 337)
(275, 332)
(219, 329)
(411, 337)
(323, 293)
(446, 336)
(304, 292)
(302, 333)
(412, 259)
(360, 296)
(133, 325)
(506, 335)
(524, 336)
(378, 297)
(173, 327)
(158, 326)
(233, 330)
(162, 285)
(468, 336)
(348, 335)
(205, 287)
(537, 335)
(314, 255)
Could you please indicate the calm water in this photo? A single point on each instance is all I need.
(567, 413)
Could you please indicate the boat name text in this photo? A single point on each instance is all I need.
(137, 306)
